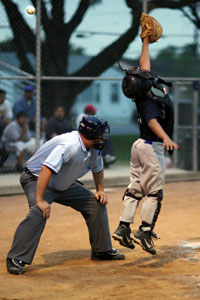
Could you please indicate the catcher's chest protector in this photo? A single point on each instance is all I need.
(168, 112)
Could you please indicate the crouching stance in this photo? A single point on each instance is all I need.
(147, 166)
(51, 176)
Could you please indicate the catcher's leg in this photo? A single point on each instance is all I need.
(132, 196)
(153, 178)
(152, 183)
(134, 192)
(150, 211)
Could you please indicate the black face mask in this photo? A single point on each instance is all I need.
(100, 143)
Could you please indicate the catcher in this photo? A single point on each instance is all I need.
(147, 167)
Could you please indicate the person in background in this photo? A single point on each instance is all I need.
(108, 151)
(17, 138)
(57, 124)
(27, 104)
(6, 114)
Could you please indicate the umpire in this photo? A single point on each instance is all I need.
(51, 176)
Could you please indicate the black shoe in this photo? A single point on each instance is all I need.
(122, 235)
(112, 254)
(15, 266)
(144, 239)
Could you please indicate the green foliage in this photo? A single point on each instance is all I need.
(122, 147)
(167, 53)
(183, 62)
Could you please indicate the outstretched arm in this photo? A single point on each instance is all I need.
(168, 144)
(145, 58)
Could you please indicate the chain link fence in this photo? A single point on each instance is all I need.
(28, 59)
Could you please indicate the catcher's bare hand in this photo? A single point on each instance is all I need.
(168, 144)
(45, 208)
(101, 197)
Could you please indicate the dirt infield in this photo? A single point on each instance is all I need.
(62, 268)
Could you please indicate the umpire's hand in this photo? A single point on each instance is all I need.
(45, 208)
(101, 197)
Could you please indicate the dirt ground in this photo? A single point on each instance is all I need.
(62, 268)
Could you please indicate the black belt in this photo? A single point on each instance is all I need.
(148, 142)
(27, 171)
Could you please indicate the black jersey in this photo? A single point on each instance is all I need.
(155, 107)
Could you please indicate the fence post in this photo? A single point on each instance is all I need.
(175, 161)
(38, 74)
(144, 6)
(195, 85)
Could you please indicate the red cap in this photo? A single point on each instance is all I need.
(90, 107)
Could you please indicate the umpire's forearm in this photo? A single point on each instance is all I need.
(99, 180)
(42, 183)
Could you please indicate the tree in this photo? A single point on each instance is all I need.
(192, 12)
(182, 61)
(55, 49)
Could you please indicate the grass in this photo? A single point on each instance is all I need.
(122, 147)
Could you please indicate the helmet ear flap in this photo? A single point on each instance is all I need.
(126, 86)
(132, 86)
(147, 84)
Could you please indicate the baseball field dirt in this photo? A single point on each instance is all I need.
(62, 268)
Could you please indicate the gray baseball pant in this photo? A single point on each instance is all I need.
(29, 231)
(147, 176)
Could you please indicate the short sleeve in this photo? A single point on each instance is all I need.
(97, 164)
(151, 111)
(9, 114)
(55, 159)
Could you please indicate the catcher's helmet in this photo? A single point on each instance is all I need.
(135, 87)
(92, 128)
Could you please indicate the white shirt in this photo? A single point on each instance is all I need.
(6, 110)
(12, 133)
(68, 158)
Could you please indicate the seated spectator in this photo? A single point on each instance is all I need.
(17, 138)
(6, 114)
(27, 104)
(108, 151)
(57, 124)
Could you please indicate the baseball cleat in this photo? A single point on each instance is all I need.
(122, 235)
(15, 266)
(144, 239)
(112, 254)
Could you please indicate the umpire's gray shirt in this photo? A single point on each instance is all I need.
(67, 157)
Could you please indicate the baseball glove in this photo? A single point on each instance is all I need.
(150, 27)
